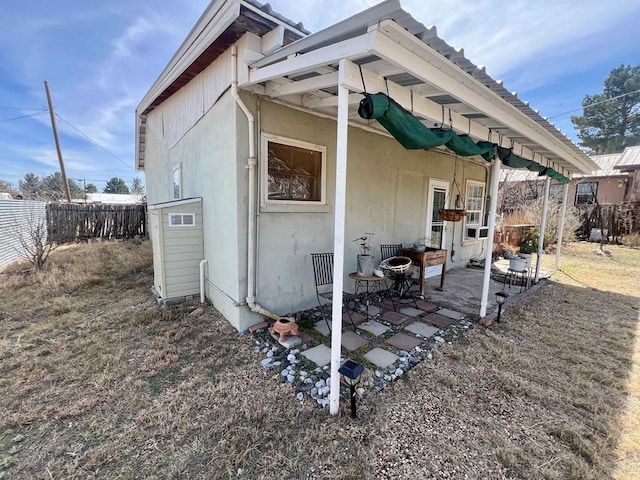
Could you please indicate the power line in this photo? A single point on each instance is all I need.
(43, 109)
(594, 104)
(7, 120)
(94, 142)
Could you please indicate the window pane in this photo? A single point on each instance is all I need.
(294, 173)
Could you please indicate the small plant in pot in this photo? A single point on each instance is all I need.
(527, 247)
(365, 259)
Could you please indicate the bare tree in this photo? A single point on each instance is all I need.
(30, 230)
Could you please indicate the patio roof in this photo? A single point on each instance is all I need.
(387, 50)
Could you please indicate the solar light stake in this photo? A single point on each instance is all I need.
(351, 372)
(501, 298)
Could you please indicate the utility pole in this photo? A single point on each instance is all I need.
(84, 187)
(55, 136)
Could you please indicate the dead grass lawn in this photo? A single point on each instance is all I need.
(97, 381)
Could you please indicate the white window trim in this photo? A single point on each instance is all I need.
(471, 240)
(178, 170)
(267, 205)
(179, 225)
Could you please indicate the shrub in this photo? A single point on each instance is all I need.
(531, 213)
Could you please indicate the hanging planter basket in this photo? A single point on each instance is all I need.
(452, 214)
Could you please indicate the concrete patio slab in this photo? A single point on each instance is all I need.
(426, 306)
(450, 313)
(380, 357)
(321, 326)
(373, 327)
(289, 342)
(411, 311)
(352, 341)
(438, 320)
(395, 318)
(320, 355)
(422, 329)
(403, 341)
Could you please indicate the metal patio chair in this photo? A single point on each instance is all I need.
(399, 288)
(323, 275)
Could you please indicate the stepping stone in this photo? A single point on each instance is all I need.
(450, 313)
(380, 357)
(289, 342)
(422, 329)
(411, 312)
(403, 341)
(372, 310)
(373, 327)
(321, 326)
(352, 341)
(357, 318)
(439, 320)
(320, 355)
(387, 304)
(395, 318)
(426, 306)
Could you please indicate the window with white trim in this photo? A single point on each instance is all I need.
(474, 203)
(293, 171)
(177, 182)
(182, 219)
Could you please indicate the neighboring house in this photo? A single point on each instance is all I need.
(112, 198)
(606, 184)
(254, 120)
(614, 182)
(629, 164)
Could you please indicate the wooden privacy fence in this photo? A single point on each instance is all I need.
(617, 220)
(68, 222)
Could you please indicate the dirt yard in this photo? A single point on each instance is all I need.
(97, 381)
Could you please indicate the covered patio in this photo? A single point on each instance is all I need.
(384, 49)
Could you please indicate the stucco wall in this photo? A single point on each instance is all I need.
(610, 189)
(209, 169)
(386, 194)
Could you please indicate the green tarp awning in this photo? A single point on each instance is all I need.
(412, 134)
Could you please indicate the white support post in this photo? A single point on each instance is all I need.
(493, 205)
(543, 223)
(338, 240)
(565, 195)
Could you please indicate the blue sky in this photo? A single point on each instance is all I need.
(100, 58)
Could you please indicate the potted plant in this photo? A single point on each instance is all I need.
(527, 248)
(365, 259)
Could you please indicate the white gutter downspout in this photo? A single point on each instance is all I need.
(252, 219)
(491, 226)
(202, 265)
(565, 194)
(543, 223)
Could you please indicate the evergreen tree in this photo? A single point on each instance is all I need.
(91, 188)
(30, 186)
(116, 185)
(611, 120)
(137, 186)
(52, 188)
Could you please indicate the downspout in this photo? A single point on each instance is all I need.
(252, 219)
(202, 265)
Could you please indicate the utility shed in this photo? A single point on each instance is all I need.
(176, 236)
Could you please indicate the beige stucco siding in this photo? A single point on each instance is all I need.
(386, 194)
